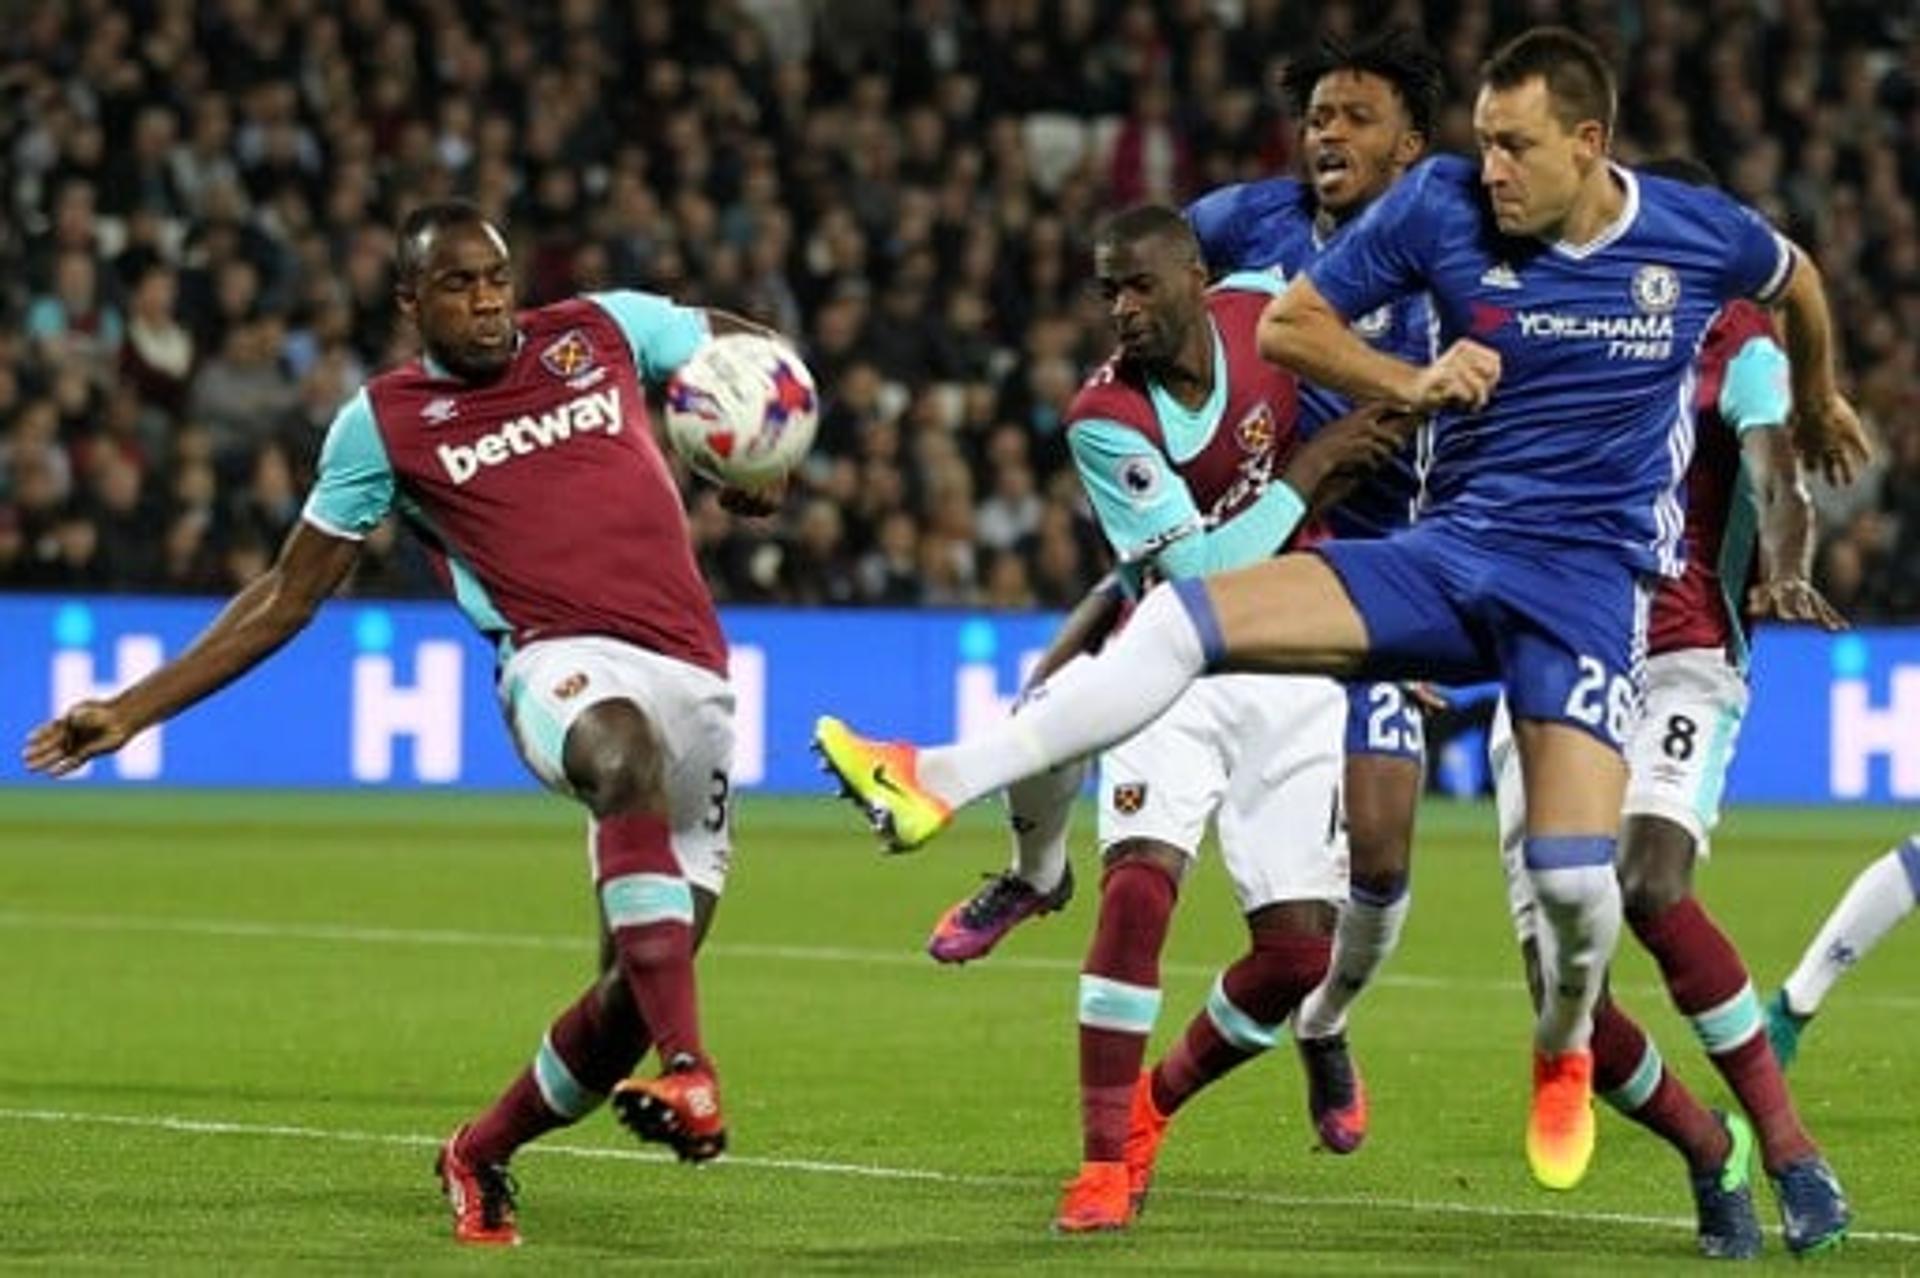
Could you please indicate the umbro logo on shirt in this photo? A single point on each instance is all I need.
(440, 411)
(1500, 275)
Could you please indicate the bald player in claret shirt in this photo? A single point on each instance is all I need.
(518, 448)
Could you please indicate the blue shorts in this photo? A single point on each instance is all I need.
(1562, 627)
(1383, 719)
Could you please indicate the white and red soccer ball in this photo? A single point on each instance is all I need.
(742, 411)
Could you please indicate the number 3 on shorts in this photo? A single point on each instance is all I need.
(1602, 701)
(716, 819)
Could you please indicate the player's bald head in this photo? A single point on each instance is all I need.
(1147, 265)
(1150, 223)
(455, 282)
(424, 227)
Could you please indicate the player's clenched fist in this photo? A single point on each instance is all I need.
(89, 729)
(1463, 377)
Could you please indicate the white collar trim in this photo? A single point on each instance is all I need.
(1629, 210)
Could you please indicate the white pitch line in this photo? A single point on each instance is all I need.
(871, 1171)
(253, 929)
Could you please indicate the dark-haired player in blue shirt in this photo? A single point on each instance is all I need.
(1573, 297)
(1368, 111)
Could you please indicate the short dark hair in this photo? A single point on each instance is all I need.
(1682, 168)
(419, 227)
(1579, 82)
(1395, 54)
(1149, 221)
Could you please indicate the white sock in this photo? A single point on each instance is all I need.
(1038, 809)
(1879, 897)
(1580, 908)
(1089, 704)
(1368, 933)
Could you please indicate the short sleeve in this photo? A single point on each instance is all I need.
(1759, 260)
(662, 334)
(1143, 505)
(354, 489)
(1383, 255)
(1215, 219)
(1757, 391)
(1268, 283)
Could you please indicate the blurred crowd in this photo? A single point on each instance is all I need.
(196, 240)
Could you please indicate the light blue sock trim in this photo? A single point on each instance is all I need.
(634, 900)
(1235, 1025)
(1639, 1087)
(1723, 1028)
(1115, 1005)
(558, 1087)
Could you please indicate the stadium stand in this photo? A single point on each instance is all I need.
(195, 240)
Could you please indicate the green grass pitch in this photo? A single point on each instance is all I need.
(236, 1026)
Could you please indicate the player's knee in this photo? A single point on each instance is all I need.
(1655, 867)
(1141, 881)
(613, 760)
(1570, 893)
(1382, 880)
(1650, 889)
(1381, 795)
(1274, 925)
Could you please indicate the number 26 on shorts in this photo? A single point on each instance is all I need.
(1602, 701)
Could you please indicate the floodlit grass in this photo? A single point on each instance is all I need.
(236, 1026)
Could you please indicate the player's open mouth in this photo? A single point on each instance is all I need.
(1331, 166)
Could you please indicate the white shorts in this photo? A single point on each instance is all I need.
(1260, 754)
(1677, 759)
(547, 684)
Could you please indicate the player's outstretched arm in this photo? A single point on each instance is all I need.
(1302, 331)
(270, 610)
(1826, 428)
(1785, 591)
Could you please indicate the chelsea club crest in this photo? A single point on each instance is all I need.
(1656, 289)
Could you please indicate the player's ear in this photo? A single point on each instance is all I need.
(1592, 137)
(1412, 145)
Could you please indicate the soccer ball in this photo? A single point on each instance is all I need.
(743, 410)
